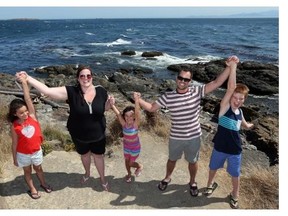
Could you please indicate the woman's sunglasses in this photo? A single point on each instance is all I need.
(183, 79)
(88, 76)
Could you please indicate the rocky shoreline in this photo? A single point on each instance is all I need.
(262, 79)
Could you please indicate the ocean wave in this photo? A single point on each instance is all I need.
(117, 42)
(89, 33)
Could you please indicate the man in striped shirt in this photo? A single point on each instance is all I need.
(184, 106)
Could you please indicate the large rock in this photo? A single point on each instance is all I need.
(262, 79)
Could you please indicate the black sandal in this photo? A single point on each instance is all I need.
(194, 190)
(209, 190)
(163, 185)
(233, 202)
(33, 195)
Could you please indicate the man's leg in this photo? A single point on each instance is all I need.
(169, 169)
(193, 168)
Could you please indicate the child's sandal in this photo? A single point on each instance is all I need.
(233, 202)
(128, 179)
(105, 186)
(209, 190)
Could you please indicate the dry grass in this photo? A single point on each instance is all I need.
(56, 133)
(5, 150)
(157, 123)
(115, 133)
(5, 138)
(260, 188)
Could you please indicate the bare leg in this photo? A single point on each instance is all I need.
(135, 165)
(40, 174)
(28, 178)
(99, 163)
(128, 167)
(86, 161)
(211, 177)
(193, 167)
(235, 184)
(169, 169)
(139, 167)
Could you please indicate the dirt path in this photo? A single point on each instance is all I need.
(63, 170)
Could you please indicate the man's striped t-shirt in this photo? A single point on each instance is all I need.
(184, 110)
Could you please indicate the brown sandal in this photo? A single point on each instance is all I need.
(47, 188)
(33, 195)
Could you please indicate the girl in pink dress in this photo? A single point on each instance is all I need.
(129, 121)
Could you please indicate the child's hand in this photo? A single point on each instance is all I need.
(136, 95)
(233, 58)
(250, 125)
(111, 100)
(231, 63)
(22, 79)
(21, 74)
(15, 163)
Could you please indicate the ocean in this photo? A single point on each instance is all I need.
(27, 44)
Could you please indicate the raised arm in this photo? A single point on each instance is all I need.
(137, 108)
(231, 85)
(108, 102)
(57, 93)
(148, 106)
(116, 111)
(27, 97)
(211, 86)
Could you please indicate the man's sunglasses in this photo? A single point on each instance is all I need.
(183, 79)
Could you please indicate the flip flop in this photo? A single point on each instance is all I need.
(233, 202)
(47, 189)
(128, 179)
(138, 171)
(84, 179)
(33, 195)
(209, 190)
(105, 187)
(163, 184)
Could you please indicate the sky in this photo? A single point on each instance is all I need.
(44, 9)
(82, 12)
(77, 9)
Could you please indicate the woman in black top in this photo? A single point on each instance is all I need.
(86, 123)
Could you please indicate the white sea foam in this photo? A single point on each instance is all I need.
(117, 42)
(89, 33)
(160, 61)
(64, 52)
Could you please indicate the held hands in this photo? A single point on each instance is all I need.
(111, 100)
(22, 79)
(21, 75)
(232, 60)
(136, 96)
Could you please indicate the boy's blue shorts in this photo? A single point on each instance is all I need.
(218, 159)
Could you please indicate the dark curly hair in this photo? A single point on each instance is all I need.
(13, 107)
(127, 109)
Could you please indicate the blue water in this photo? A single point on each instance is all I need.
(26, 44)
